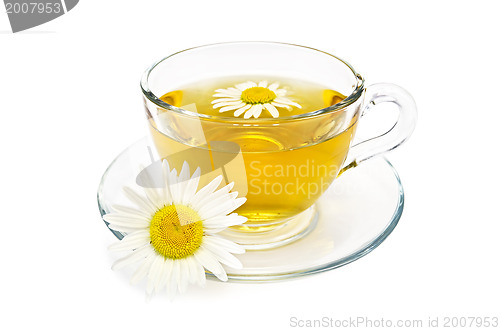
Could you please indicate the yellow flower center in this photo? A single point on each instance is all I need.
(176, 231)
(256, 95)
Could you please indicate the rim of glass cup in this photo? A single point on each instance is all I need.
(350, 99)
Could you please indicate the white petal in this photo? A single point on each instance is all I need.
(172, 177)
(275, 104)
(173, 282)
(128, 210)
(126, 220)
(228, 108)
(249, 113)
(140, 201)
(185, 273)
(230, 91)
(165, 199)
(272, 110)
(224, 221)
(174, 187)
(242, 110)
(153, 274)
(225, 99)
(129, 224)
(227, 245)
(121, 228)
(166, 274)
(151, 192)
(135, 256)
(213, 230)
(191, 187)
(132, 241)
(216, 203)
(257, 109)
(143, 270)
(206, 191)
(191, 270)
(222, 209)
(217, 224)
(184, 276)
(237, 204)
(281, 92)
(184, 177)
(222, 255)
(167, 196)
(118, 216)
(201, 276)
(210, 263)
(162, 274)
(223, 96)
(286, 101)
(201, 201)
(273, 86)
(246, 85)
(226, 103)
(222, 191)
(263, 83)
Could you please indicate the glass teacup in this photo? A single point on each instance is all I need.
(281, 164)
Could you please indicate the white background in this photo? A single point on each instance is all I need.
(70, 101)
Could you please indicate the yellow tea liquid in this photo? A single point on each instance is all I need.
(281, 167)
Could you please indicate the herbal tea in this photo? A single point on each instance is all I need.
(281, 166)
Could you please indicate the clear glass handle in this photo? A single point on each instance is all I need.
(398, 134)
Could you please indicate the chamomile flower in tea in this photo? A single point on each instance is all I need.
(251, 98)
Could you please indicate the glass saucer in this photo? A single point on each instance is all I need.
(356, 214)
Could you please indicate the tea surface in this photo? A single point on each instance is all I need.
(282, 168)
(310, 96)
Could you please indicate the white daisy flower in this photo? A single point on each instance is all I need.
(172, 233)
(251, 98)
